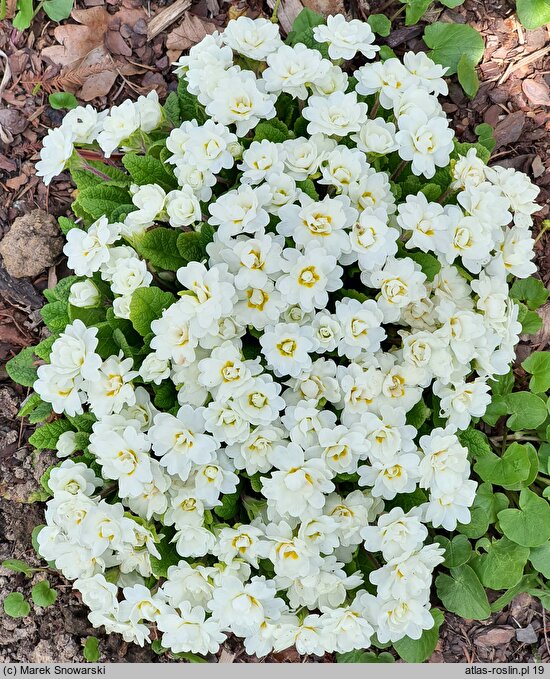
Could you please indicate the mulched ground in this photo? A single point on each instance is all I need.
(114, 49)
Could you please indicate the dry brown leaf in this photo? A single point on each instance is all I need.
(326, 7)
(191, 31)
(287, 12)
(537, 91)
(77, 40)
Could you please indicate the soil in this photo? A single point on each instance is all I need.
(116, 49)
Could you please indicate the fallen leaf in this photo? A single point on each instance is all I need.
(326, 7)
(191, 31)
(287, 12)
(537, 91)
(77, 40)
(495, 636)
(537, 166)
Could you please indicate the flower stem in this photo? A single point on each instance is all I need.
(399, 169)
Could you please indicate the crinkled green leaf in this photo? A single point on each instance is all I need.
(380, 24)
(47, 435)
(159, 247)
(21, 368)
(147, 305)
(148, 170)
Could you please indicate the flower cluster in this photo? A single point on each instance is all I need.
(333, 298)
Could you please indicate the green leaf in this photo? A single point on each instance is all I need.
(364, 657)
(429, 264)
(62, 100)
(146, 305)
(159, 247)
(484, 511)
(511, 468)
(165, 396)
(58, 10)
(540, 558)
(529, 525)
(467, 75)
(418, 650)
(40, 413)
(172, 109)
(47, 435)
(18, 566)
(533, 13)
(306, 19)
(538, 365)
(380, 24)
(55, 316)
(168, 557)
(502, 566)
(29, 404)
(85, 179)
(308, 187)
(91, 649)
(83, 423)
(523, 586)
(43, 595)
(458, 551)
(16, 606)
(432, 191)
(386, 53)
(65, 225)
(527, 410)
(229, 506)
(452, 3)
(190, 108)
(418, 414)
(462, 593)
(62, 291)
(148, 170)
(503, 384)
(530, 321)
(190, 245)
(415, 10)
(449, 42)
(531, 291)
(273, 130)
(24, 16)
(486, 137)
(21, 368)
(103, 199)
(476, 441)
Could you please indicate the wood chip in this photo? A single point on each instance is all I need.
(190, 32)
(226, 656)
(537, 91)
(509, 129)
(166, 17)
